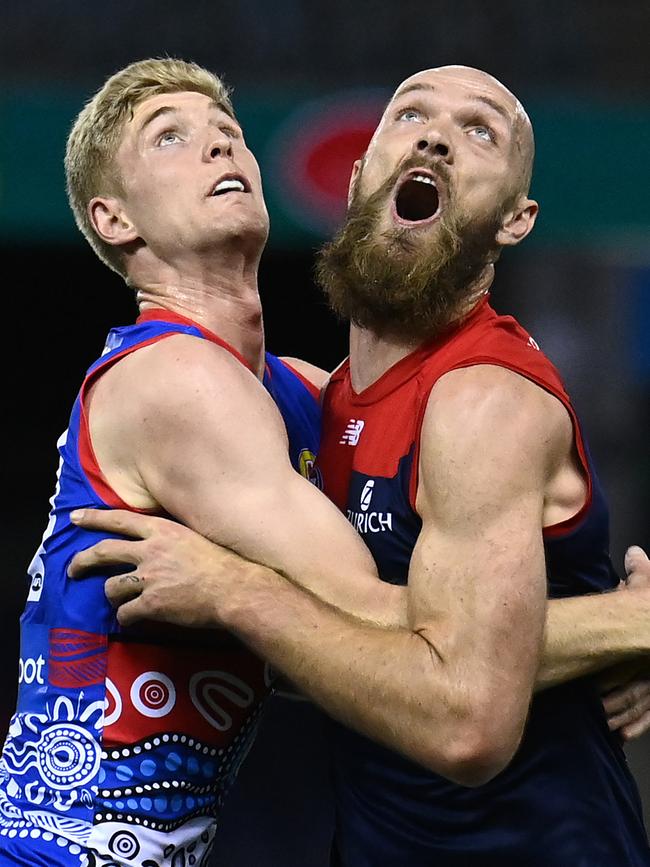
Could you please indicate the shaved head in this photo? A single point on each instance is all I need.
(523, 142)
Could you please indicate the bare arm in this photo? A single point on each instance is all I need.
(583, 635)
(586, 634)
(450, 684)
(183, 426)
(452, 689)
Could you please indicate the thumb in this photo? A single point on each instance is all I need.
(635, 558)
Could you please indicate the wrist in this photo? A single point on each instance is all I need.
(250, 587)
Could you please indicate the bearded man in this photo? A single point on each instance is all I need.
(451, 444)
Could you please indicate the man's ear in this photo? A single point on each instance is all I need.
(517, 223)
(356, 168)
(110, 221)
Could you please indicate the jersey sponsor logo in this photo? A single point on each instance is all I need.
(366, 495)
(352, 432)
(35, 588)
(31, 670)
(365, 521)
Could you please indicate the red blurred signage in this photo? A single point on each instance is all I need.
(312, 154)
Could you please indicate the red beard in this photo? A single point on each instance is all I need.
(405, 283)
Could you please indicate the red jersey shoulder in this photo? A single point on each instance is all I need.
(488, 338)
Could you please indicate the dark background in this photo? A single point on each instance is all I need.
(581, 284)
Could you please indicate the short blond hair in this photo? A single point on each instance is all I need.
(97, 131)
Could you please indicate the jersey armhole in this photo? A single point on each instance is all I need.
(554, 530)
(86, 453)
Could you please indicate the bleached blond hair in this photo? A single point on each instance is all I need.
(97, 132)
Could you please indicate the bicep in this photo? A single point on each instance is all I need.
(221, 467)
(495, 565)
(484, 466)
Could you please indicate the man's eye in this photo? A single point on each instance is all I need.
(410, 115)
(167, 138)
(483, 132)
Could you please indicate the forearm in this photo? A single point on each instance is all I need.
(586, 634)
(375, 603)
(386, 683)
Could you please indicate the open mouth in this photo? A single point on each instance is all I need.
(230, 184)
(417, 199)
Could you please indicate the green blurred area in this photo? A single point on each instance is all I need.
(591, 174)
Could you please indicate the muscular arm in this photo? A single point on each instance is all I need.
(451, 690)
(587, 634)
(583, 635)
(185, 427)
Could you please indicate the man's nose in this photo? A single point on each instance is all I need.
(434, 143)
(219, 145)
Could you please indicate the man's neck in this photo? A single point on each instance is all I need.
(225, 302)
(371, 355)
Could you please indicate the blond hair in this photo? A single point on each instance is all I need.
(97, 131)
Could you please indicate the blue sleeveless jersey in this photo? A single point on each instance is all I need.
(125, 742)
(568, 798)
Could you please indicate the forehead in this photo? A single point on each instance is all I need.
(460, 84)
(180, 102)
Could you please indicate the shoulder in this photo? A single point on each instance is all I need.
(492, 412)
(315, 375)
(482, 391)
(191, 363)
(183, 378)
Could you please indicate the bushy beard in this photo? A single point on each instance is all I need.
(406, 283)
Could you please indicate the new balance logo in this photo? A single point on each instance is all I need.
(352, 432)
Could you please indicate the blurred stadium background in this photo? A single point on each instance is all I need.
(310, 79)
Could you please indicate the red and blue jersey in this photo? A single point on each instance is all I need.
(568, 798)
(125, 741)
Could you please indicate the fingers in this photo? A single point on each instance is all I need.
(627, 705)
(123, 588)
(119, 521)
(638, 728)
(636, 560)
(131, 612)
(108, 552)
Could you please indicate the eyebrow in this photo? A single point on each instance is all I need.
(163, 109)
(484, 100)
(171, 109)
(495, 106)
(411, 87)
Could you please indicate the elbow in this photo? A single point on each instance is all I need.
(475, 752)
(476, 759)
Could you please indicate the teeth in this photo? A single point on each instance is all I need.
(229, 184)
(423, 179)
